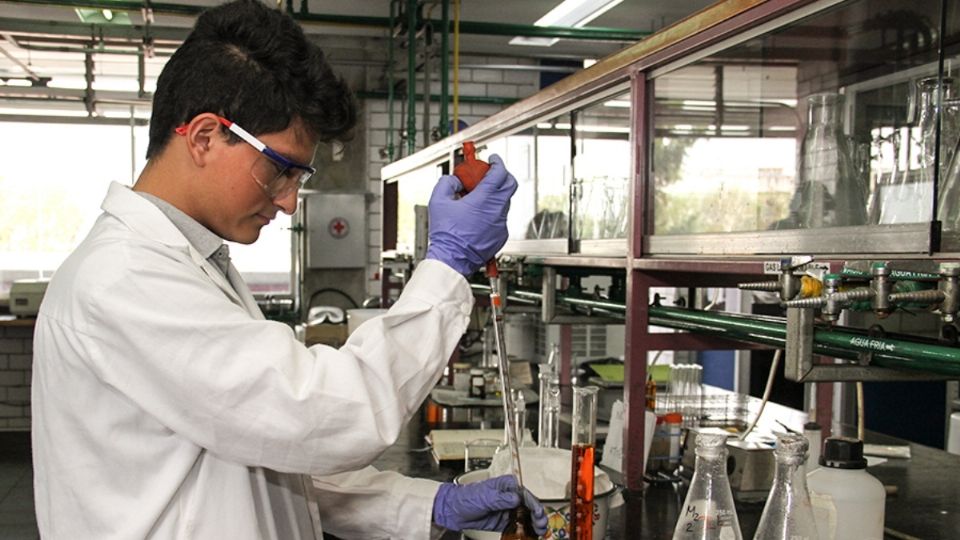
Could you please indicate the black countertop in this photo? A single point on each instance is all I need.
(925, 502)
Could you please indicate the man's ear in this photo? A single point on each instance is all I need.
(201, 134)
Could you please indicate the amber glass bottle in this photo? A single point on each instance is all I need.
(519, 526)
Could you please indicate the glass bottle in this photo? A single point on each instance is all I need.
(788, 514)
(830, 192)
(708, 512)
(582, 462)
(519, 525)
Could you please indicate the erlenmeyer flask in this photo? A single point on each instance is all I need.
(708, 512)
(948, 198)
(788, 514)
(949, 132)
(931, 93)
(830, 192)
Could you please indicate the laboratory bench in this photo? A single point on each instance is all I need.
(922, 502)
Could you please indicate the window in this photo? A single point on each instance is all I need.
(53, 180)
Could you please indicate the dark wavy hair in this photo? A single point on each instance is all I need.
(254, 66)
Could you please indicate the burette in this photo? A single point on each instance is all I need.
(470, 172)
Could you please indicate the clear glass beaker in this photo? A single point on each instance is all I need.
(582, 460)
(788, 514)
(708, 512)
(830, 191)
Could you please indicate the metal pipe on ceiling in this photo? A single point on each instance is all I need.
(411, 12)
(32, 75)
(467, 27)
(444, 126)
(487, 100)
(50, 119)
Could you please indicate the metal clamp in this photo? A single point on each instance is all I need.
(788, 283)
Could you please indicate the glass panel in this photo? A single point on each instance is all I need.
(539, 158)
(554, 175)
(824, 122)
(414, 189)
(602, 169)
(517, 152)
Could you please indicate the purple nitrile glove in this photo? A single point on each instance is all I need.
(484, 506)
(468, 231)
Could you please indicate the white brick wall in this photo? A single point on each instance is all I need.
(473, 82)
(16, 364)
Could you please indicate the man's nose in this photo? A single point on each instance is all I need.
(288, 203)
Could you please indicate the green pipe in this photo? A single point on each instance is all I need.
(445, 70)
(466, 27)
(84, 50)
(411, 72)
(894, 274)
(879, 359)
(837, 343)
(595, 33)
(887, 352)
(489, 100)
(390, 38)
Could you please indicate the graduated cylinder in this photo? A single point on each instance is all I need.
(581, 474)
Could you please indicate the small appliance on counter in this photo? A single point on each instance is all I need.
(26, 295)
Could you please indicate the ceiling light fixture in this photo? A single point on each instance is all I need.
(103, 16)
(569, 13)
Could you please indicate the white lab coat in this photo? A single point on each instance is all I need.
(164, 406)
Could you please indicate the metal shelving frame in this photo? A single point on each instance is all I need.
(660, 261)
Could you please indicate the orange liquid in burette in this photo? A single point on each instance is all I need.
(581, 501)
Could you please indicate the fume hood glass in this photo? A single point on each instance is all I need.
(539, 158)
(554, 175)
(601, 169)
(827, 120)
(517, 152)
(416, 187)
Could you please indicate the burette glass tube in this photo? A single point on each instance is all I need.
(510, 427)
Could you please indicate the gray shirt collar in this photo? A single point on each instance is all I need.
(201, 238)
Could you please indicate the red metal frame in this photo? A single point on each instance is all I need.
(644, 273)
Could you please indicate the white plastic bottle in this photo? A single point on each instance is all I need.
(811, 430)
(847, 501)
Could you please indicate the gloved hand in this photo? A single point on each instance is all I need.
(467, 232)
(484, 506)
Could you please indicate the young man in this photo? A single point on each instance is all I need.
(165, 406)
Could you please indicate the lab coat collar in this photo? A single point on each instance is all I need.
(144, 218)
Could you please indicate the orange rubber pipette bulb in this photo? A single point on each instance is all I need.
(471, 170)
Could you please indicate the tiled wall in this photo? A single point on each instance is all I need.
(16, 363)
(473, 82)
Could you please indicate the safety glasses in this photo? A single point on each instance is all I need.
(276, 175)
